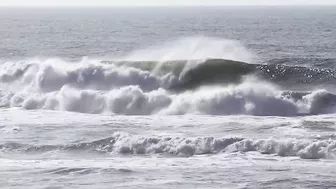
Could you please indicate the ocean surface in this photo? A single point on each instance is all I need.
(184, 97)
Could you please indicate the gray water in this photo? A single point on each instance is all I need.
(69, 120)
(305, 32)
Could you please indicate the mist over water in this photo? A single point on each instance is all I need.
(194, 48)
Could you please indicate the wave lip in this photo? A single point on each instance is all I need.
(194, 73)
(124, 143)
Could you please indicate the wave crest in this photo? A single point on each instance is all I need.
(124, 143)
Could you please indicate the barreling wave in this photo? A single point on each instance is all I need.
(178, 78)
(177, 75)
(124, 143)
(194, 73)
(213, 86)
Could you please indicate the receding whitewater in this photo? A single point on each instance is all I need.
(167, 98)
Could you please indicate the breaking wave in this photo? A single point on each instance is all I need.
(176, 83)
(124, 143)
(247, 98)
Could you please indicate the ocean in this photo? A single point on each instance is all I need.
(168, 97)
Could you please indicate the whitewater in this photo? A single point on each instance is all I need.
(184, 111)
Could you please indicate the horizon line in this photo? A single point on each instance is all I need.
(167, 6)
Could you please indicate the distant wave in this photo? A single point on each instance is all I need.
(124, 143)
(319, 62)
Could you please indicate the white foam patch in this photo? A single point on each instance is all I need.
(248, 98)
(132, 100)
(290, 147)
(125, 143)
(52, 75)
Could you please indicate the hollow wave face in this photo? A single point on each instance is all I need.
(169, 81)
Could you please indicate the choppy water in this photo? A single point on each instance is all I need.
(216, 97)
